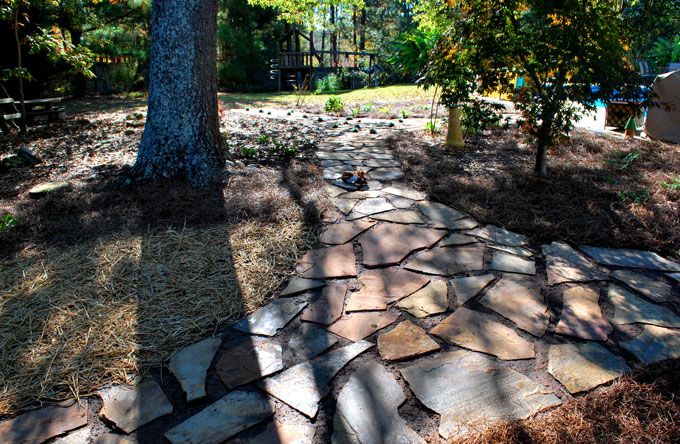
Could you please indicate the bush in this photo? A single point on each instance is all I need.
(333, 104)
(124, 76)
(329, 84)
(7, 221)
(480, 115)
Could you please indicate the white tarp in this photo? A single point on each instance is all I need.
(663, 123)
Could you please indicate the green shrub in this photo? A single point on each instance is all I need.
(634, 196)
(404, 113)
(480, 115)
(622, 160)
(124, 76)
(249, 152)
(431, 127)
(367, 108)
(674, 184)
(8, 221)
(263, 139)
(329, 84)
(333, 104)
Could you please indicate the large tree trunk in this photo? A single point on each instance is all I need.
(181, 137)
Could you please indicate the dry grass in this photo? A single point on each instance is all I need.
(74, 319)
(633, 410)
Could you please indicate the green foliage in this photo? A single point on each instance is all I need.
(431, 126)
(621, 160)
(124, 75)
(412, 51)
(634, 196)
(480, 115)
(647, 21)
(334, 104)
(673, 184)
(385, 109)
(366, 108)
(404, 113)
(8, 221)
(263, 139)
(665, 51)
(329, 84)
(249, 152)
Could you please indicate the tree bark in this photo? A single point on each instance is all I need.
(79, 80)
(181, 137)
(362, 31)
(542, 142)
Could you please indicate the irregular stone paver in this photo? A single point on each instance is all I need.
(379, 288)
(332, 262)
(675, 276)
(328, 308)
(344, 205)
(655, 289)
(367, 412)
(190, 366)
(630, 309)
(334, 172)
(373, 206)
(248, 362)
(358, 195)
(344, 232)
(630, 258)
(405, 192)
(582, 316)
(499, 235)
(310, 341)
(521, 302)
(112, 438)
(457, 239)
(334, 191)
(299, 285)
(323, 155)
(429, 300)
(440, 215)
(354, 216)
(466, 288)
(381, 163)
(400, 217)
(81, 436)
(280, 433)
(401, 203)
(389, 244)
(518, 251)
(510, 263)
(386, 174)
(132, 407)
(447, 261)
(272, 317)
(580, 367)
(357, 326)
(654, 344)
(46, 188)
(469, 390)
(235, 412)
(303, 385)
(405, 341)
(38, 426)
(565, 264)
(462, 224)
(479, 332)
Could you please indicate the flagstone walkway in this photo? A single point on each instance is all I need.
(413, 322)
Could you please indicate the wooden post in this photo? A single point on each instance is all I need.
(454, 133)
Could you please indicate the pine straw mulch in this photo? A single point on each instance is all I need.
(586, 197)
(644, 408)
(103, 282)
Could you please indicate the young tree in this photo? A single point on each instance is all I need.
(563, 49)
(181, 137)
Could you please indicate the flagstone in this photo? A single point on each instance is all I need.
(281, 433)
(324, 155)
(582, 316)
(309, 341)
(130, 407)
(565, 264)
(304, 385)
(382, 163)
(510, 263)
(271, 318)
(447, 261)
(457, 239)
(386, 174)
(429, 300)
(471, 391)
(356, 195)
(379, 288)
(374, 184)
(581, 367)
(332, 262)
(334, 172)
(521, 302)
(401, 203)
(389, 244)
(442, 216)
(112, 438)
(190, 366)
(373, 206)
(499, 235)
(299, 285)
(619, 257)
(330, 163)
(461, 224)
(334, 191)
(345, 206)
(248, 362)
(631, 309)
(675, 276)
(518, 251)
(400, 217)
(344, 232)
(654, 288)
(355, 216)
(654, 344)
(479, 332)
(235, 412)
(357, 326)
(37, 426)
(405, 192)
(405, 341)
(346, 186)
(328, 308)
(367, 410)
(466, 288)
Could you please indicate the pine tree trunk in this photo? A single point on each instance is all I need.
(181, 137)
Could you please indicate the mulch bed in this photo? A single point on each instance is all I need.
(600, 190)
